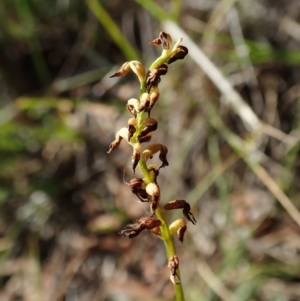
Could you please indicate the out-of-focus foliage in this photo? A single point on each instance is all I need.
(63, 201)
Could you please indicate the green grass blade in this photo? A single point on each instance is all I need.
(32, 41)
(113, 30)
(154, 9)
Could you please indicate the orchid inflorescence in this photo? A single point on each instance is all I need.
(139, 131)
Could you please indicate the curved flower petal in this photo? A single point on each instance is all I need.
(120, 135)
(153, 149)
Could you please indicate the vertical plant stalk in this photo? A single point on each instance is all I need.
(139, 130)
(166, 237)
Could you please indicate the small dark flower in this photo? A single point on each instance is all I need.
(163, 39)
(153, 149)
(152, 80)
(181, 204)
(148, 125)
(188, 214)
(153, 77)
(162, 69)
(138, 187)
(145, 138)
(143, 223)
(163, 156)
(179, 54)
(148, 100)
(136, 155)
(180, 233)
(131, 127)
(180, 227)
(154, 95)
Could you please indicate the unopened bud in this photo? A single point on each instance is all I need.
(154, 95)
(178, 226)
(145, 102)
(154, 172)
(153, 190)
(177, 44)
(133, 106)
(179, 223)
(136, 155)
(179, 54)
(148, 125)
(162, 69)
(131, 127)
(139, 70)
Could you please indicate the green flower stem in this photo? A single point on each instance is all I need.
(143, 167)
(165, 233)
(170, 248)
(139, 118)
(140, 115)
(160, 60)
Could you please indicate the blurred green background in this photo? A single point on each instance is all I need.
(63, 199)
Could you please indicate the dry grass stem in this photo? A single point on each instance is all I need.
(232, 98)
(214, 282)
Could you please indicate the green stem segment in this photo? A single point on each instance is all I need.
(170, 249)
(165, 233)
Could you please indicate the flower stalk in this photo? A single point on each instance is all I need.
(139, 130)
